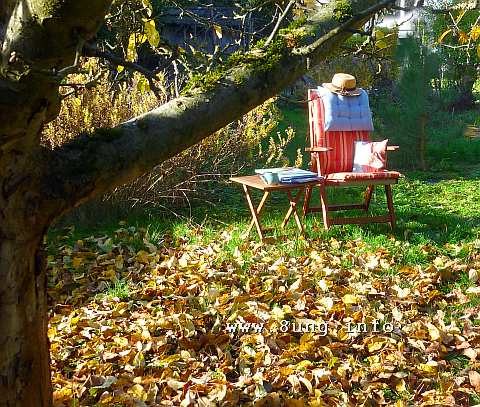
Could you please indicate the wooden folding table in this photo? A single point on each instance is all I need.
(254, 181)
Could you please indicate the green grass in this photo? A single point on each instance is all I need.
(436, 207)
(120, 289)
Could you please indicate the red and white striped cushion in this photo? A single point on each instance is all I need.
(341, 177)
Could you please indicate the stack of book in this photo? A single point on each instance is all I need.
(291, 175)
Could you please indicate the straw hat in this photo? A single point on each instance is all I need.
(343, 84)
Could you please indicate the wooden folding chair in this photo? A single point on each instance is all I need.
(332, 157)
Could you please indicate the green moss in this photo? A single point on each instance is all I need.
(297, 23)
(343, 11)
(206, 81)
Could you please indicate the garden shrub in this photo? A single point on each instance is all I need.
(403, 115)
(239, 147)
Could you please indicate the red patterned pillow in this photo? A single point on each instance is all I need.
(370, 156)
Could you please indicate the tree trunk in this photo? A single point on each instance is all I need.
(24, 350)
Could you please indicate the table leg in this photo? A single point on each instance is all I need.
(293, 209)
(255, 218)
(259, 209)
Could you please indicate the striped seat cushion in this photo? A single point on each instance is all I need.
(340, 158)
(341, 177)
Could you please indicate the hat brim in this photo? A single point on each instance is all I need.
(342, 92)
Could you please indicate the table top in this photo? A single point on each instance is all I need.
(255, 181)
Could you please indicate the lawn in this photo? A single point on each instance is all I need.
(156, 309)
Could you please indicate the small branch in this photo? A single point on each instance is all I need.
(93, 51)
(279, 22)
(87, 85)
(357, 18)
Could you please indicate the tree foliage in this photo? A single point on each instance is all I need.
(457, 37)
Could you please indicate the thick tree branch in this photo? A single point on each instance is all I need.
(95, 164)
(38, 40)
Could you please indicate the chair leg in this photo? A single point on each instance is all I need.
(391, 211)
(368, 196)
(324, 203)
(306, 201)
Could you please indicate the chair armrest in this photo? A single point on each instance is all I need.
(318, 149)
(392, 148)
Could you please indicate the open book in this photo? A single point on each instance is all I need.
(291, 175)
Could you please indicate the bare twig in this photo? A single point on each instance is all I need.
(93, 51)
(87, 85)
(279, 23)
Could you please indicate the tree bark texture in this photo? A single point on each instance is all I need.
(24, 350)
(39, 39)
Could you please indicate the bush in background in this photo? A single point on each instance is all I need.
(403, 115)
(239, 147)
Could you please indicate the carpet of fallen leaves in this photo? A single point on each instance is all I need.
(341, 325)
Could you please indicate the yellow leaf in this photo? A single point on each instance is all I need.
(379, 34)
(400, 387)
(119, 262)
(153, 36)
(277, 313)
(460, 15)
(304, 364)
(77, 262)
(431, 367)
(462, 37)
(64, 394)
(349, 299)
(110, 274)
(375, 344)
(218, 31)
(138, 392)
(139, 360)
(142, 257)
(475, 32)
(120, 309)
(133, 41)
(286, 370)
(123, 342)
(433, 331)
(444, 34)
(120, 68)
(343, 334)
